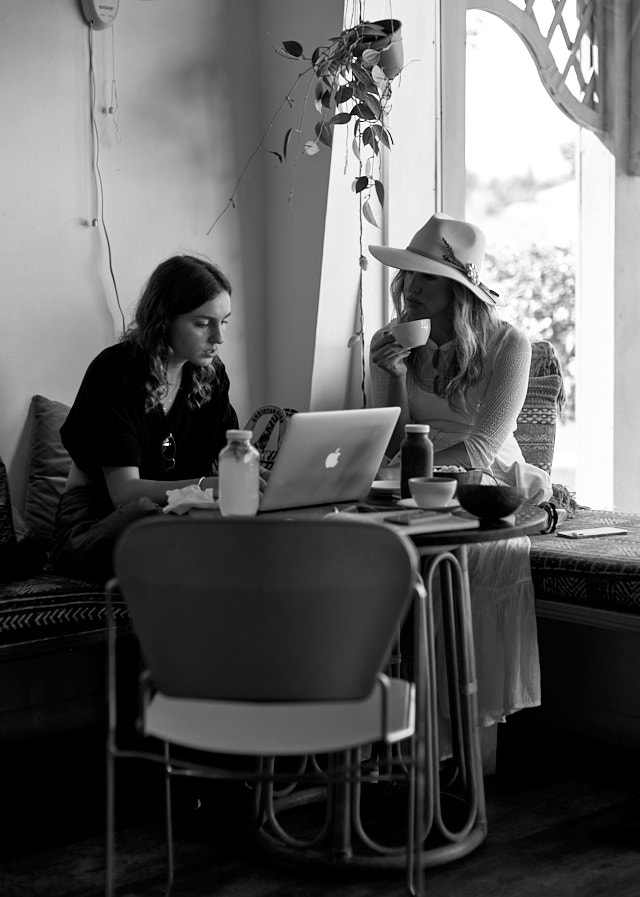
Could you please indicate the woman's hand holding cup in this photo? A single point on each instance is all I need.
(391, 347)
(411, 334)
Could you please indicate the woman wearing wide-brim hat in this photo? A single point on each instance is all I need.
(470, 379)
(468, 382)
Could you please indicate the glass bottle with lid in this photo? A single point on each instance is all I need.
(239, 476)
(416, 456)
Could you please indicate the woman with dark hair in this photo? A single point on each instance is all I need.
(151, 414)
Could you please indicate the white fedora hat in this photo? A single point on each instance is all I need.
(446, 247)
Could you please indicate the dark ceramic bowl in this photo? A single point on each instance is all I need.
(489, 502)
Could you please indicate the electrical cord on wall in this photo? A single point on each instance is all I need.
(114, 107)
(96, 168)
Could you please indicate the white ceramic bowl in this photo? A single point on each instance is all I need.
(412, 333)
(432, 492)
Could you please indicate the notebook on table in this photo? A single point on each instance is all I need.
(419, 522)
(328, 457)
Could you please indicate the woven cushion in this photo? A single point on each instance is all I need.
(536, 428)
(47, 606)
(602, 572)
(49, 465)
(7, 534)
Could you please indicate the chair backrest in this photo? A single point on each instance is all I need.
(536, 426)
(263, 609)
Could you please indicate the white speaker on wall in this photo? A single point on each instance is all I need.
(100, 13)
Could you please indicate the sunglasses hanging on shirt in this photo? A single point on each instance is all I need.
(169, 452)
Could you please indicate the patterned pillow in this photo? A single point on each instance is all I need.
(7, 533)
(20, 554)
(49, 465)
(536, 428)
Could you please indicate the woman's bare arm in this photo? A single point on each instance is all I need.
(124, 485)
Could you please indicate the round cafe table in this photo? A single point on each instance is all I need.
(451, 804)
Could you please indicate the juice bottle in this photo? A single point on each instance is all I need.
(239, 473)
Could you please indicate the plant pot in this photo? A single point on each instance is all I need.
(391, 52)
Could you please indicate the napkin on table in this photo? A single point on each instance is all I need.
(179, 501)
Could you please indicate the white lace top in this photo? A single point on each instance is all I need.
(503, 608)
(494, 403)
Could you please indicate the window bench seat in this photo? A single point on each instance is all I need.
(52, 654)
(588, 611)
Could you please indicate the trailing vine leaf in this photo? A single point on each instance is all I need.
(326, 100)
(311, 148)
(276, 153)
(379, 187)
(362, 110)
(385, 137)
(361, 184)
(324, 133)
(371, 57)
(344, 94)
(367, 137)
(340, 119)
(353, 339)
(368, 214)
(374, 105)
(364, 262)
(355, 147)
(287, 137)
(293, 48)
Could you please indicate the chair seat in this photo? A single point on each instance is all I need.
(282, 729)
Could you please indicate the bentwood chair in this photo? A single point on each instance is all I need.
(268, 639)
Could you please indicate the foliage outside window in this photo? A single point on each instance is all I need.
(538, 283)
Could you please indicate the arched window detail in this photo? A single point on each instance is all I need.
(564, 38)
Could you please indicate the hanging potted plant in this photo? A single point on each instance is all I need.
(353, 74)
(353, 85)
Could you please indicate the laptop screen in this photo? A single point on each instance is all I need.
(328, 457)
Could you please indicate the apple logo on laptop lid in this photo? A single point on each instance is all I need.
(332, 459)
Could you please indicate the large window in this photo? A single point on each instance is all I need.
(522, 189)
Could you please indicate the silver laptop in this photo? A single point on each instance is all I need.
(328, 457)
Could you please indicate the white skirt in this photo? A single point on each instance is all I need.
(504, 630)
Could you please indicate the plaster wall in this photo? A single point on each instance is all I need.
(193, 84)
(295, 194)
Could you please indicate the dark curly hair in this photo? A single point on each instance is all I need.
(177, 286)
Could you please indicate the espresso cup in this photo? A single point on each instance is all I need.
(432, 492)
(412, 333)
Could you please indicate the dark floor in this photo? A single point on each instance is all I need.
(564, 820)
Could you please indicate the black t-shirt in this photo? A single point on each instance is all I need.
(108, 426)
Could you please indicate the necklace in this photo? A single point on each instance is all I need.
(172, 391)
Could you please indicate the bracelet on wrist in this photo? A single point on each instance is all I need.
(200, 482)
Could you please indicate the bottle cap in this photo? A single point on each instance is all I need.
(416, 428)
(239, 434)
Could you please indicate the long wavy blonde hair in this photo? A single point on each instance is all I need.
(177, 286)
(475, 326)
